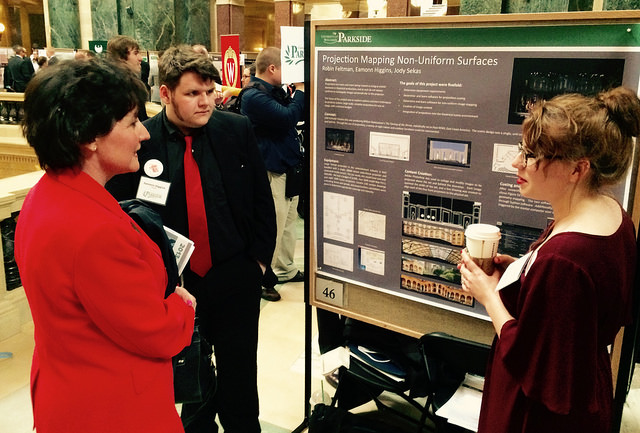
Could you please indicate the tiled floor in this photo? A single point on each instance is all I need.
(280, 363)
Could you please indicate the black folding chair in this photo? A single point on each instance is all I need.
(447, 360)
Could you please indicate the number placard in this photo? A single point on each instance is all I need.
(330, 292)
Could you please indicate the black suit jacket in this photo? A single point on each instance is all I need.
(244, 177)
(10, 71)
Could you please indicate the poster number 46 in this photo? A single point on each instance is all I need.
(329, 292)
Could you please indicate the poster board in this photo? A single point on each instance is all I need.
(414, 123)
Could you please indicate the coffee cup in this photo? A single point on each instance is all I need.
(482, 244)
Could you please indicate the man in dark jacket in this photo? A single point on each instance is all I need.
(274, 114)
(240, 220)
(19, 70)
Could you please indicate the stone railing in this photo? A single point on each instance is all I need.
(14, 309)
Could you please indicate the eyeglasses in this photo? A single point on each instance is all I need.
(525, 155)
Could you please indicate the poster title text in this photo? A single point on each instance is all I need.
(409, 61)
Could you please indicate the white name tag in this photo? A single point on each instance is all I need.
(513, 272)
(153, 190)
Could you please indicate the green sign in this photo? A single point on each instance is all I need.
(613, 35)
(98, 47)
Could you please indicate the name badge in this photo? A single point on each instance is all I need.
(153, 190)
(513, 271)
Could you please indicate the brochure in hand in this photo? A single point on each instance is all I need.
(182, 248)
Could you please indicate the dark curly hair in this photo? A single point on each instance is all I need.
(70, 104)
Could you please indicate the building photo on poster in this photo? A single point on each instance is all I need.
(414, 141)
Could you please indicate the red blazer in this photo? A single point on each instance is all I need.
(104, 335)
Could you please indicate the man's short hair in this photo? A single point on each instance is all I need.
(119, 46)
(268, 56)
(18, 49)
(177, 60)
(70, 104)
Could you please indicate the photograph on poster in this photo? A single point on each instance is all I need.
(453, 213)
(536, 79)
(337, 216)
(372, 224)
(435, 289)
(449, 152)
(339, 140)
(448, 273)
(503, 156)
(441, 253)
(371, 260)
(515, 239)
(337, 256)
(391, 146)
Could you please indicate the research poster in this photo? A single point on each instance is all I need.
(415, 132)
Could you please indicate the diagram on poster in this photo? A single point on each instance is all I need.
(414, 143)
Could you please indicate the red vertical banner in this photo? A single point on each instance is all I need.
(230, 49)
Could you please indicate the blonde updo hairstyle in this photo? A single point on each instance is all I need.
(574, 126)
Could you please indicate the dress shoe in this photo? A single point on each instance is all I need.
(299, 276)
(333, 378)
(270, 294)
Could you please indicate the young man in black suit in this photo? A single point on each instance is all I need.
(240, 219)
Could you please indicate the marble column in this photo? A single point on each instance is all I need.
(4, 19)
(153, 24)
(231, 19)
(64, 21)
(192, 22)
(610, 5)
(398, 8)
(287, 13)
(26, 29)
(475, 7)
(86, 27)
(104, 19)
(528, 6)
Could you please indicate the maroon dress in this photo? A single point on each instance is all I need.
(550, 371)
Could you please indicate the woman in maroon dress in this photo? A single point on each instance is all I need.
(563, 303)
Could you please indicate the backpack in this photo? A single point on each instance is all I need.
(234, 104)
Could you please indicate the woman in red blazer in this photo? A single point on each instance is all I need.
(104, 334)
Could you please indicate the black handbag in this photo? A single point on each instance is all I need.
(194, 377)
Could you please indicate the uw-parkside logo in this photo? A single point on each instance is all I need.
(293, 55)
(342, 38)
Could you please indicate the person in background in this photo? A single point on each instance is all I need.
(127, 51)
(35, 56)
(84, 55)
(43, 62)
(274, 114)
(235, 236)
(562, 304)
(51, 55)
(145, 69)
(104, 333)
(247, 73)
(12, 74)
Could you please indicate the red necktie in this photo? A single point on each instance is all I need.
(201, 259)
